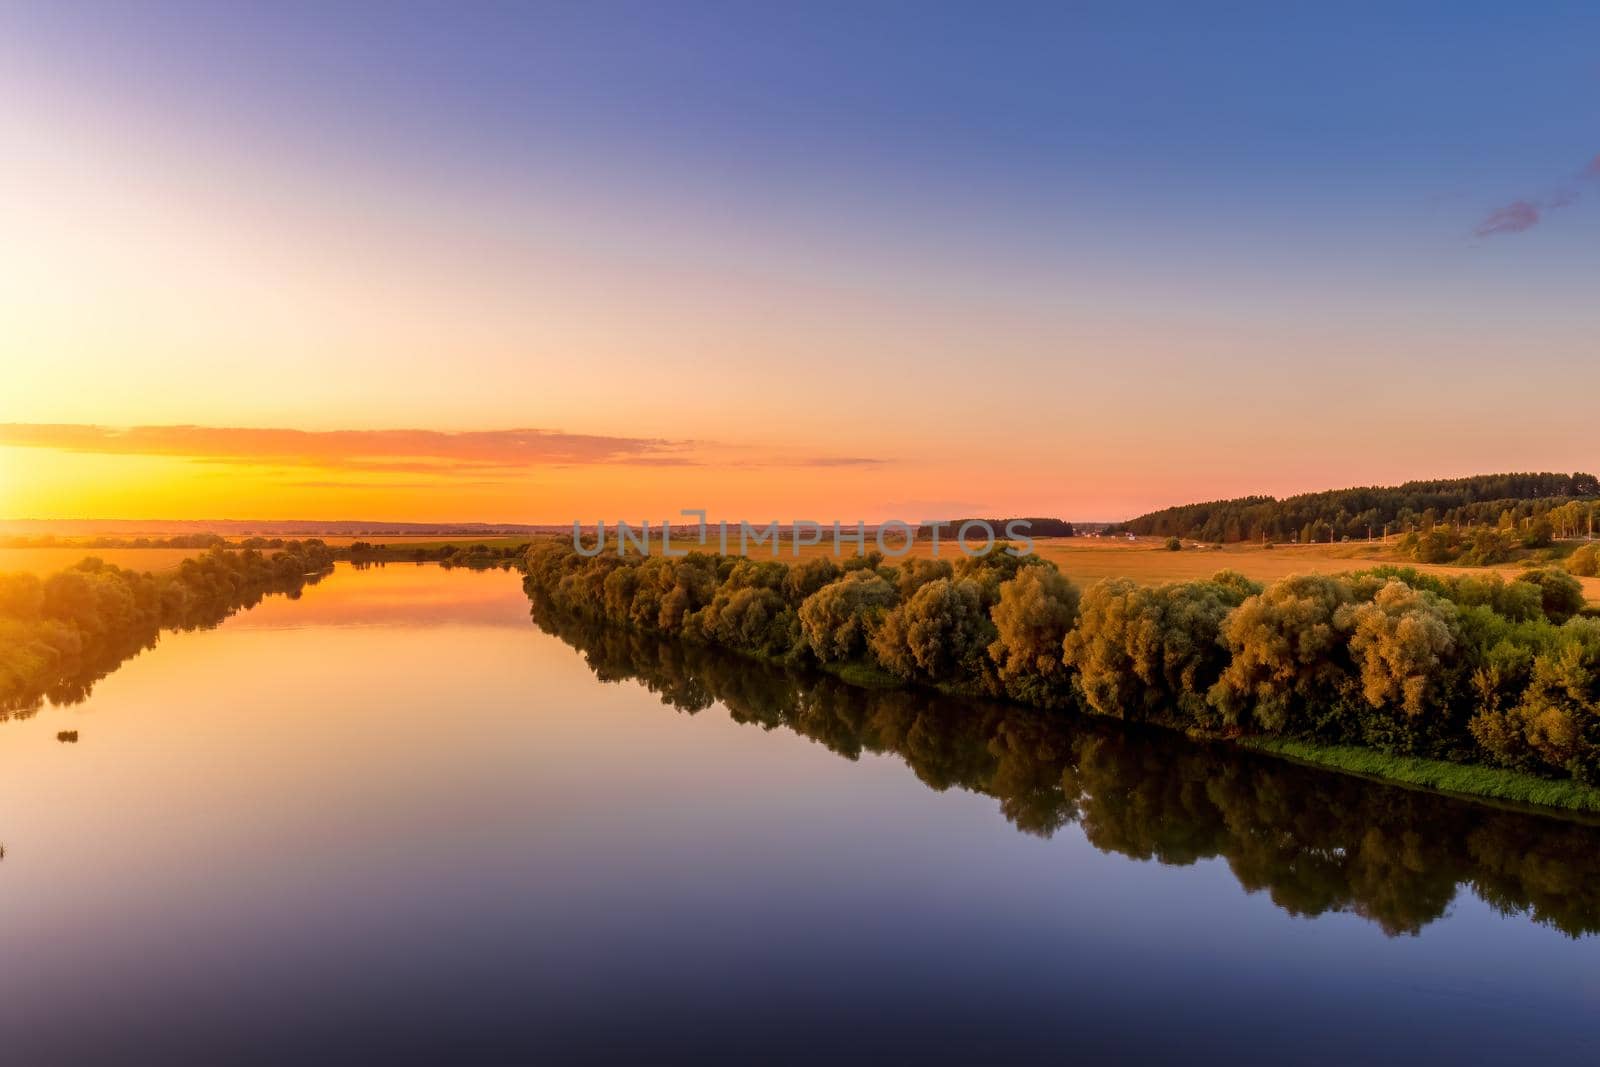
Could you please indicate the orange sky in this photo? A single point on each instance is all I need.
(206, 314)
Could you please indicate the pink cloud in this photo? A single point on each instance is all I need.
(1521, 215)
(380, 450)
(1513, 218)
(430, 452)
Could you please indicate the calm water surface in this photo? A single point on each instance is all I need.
(395, 820)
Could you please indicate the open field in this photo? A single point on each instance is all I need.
(43, 561)
(1086, 560)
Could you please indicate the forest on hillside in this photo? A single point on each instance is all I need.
(1509, 501)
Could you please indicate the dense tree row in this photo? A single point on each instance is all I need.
(1470, 669)
(1507, 501)
(60, 634)
(1482, 545)
(1315, 842)
(1034, 527)
(450, 555)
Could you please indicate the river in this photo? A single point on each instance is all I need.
(398, 820)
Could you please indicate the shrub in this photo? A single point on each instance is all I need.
(1540, 534)
(939, 635)
(838, 620)
(1035, 612)
(751, 618)
(1435, 546)
(1153, 651)
(1399, 642)
(914, 573)
(993, 569)
(1486, 547)
(808, 576)
(1560, 594)
(1556, 724)
(1289, 662)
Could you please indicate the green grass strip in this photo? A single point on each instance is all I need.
(1463, 779)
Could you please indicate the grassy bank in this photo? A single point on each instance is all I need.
(1468, 781)
(1458, 779)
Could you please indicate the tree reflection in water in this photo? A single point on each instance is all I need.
(1314, 841)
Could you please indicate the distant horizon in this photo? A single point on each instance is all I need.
(10, 526)
(163, 524)
(184, 473)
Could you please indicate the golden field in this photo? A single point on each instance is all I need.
(43, 561)
(1086, 560)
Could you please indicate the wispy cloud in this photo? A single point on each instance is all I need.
(1520, 216)
(836, 461)
(413, 452)
(383, 450)
(1515, 217)
(328, 483)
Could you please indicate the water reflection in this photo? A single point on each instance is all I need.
(1314, 841)
(75, 674)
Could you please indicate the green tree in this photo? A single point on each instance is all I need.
(915, 572)
(750, 618)
(1152, 653)
(808, 576)
(1585, 561)
(1560, 594)
(1035, 612)
(838, 620)
(1401, 642)
(1289, 663)
(939, 635)
(1556, 724)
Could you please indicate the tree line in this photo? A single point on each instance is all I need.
(1567, 501)
(61, 634)
(1315, 842)
(1471, 669)
(1035, 527)
(479, 556)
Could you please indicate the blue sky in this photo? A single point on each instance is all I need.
(1167, 101)
(1365, 211)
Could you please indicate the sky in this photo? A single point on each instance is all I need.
(545, 262)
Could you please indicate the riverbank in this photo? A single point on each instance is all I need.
(1471, 686)
(1494, 786)
(1465, 780)
(61, 634)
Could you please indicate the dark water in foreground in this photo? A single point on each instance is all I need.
(395, 821)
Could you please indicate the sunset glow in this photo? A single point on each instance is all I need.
(867, 288)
